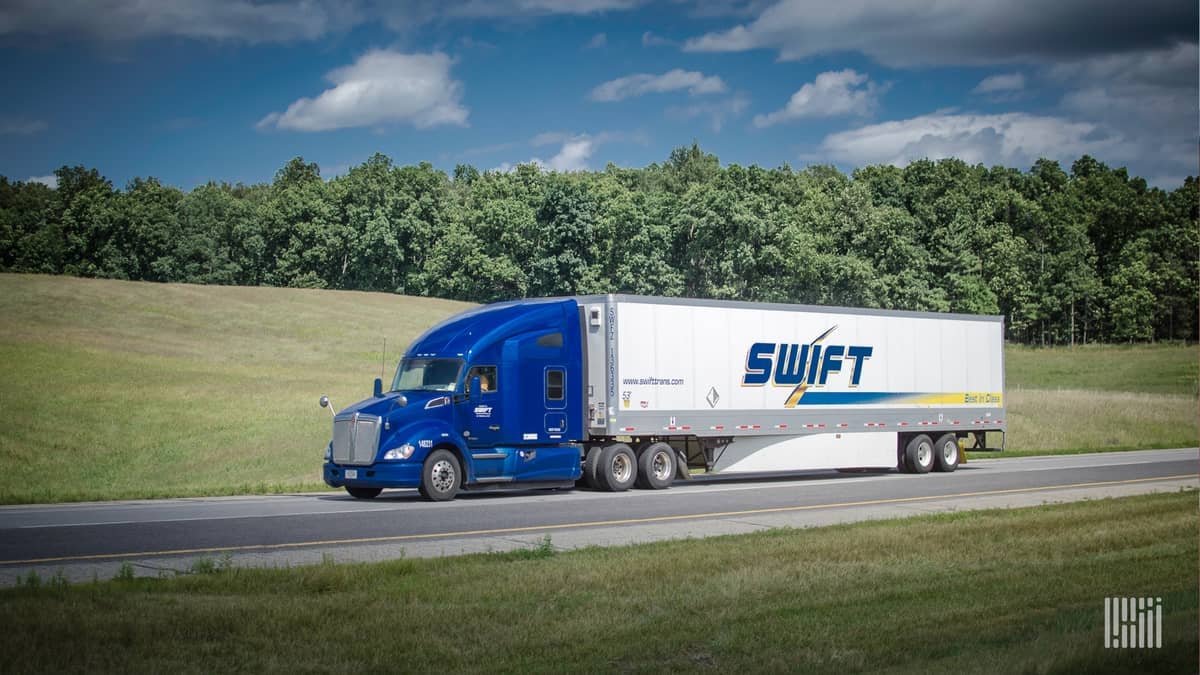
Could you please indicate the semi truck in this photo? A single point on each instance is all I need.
(616, 391)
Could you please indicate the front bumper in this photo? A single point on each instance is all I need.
(377, 475)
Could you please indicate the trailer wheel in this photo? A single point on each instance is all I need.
(590, 461)
(363, 493)
(441, 476)
(656, 466)
(918, 454)
(945, 453)
(617, 469)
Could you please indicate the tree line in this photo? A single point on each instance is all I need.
(1088, 255)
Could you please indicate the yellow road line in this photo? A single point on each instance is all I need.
(563, 526)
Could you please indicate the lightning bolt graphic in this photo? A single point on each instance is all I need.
(794, 398)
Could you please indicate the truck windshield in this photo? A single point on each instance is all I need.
(427, 374)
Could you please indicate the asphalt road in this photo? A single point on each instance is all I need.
(85, 541)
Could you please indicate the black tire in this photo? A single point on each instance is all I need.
(590, 462)
(656, 466)
(617, 469)
(918, 454)
(441, 476)
(363, 493)
(946, 453)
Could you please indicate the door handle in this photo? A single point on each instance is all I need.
(494, 427)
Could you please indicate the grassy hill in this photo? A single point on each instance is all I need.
(116, 389)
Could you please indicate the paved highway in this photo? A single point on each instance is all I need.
(85, 541)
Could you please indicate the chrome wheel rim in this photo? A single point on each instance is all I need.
(661, 465)
(442, 475)
(622, 468)
(950, 453)
(924, 454)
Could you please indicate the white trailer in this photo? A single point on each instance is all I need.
(750, 387)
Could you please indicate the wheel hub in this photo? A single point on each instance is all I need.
(621, 468)
(924, 454)
(442, 476)
(662, 466)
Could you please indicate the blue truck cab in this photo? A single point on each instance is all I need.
(490, 397)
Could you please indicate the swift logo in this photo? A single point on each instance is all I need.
(802, 365)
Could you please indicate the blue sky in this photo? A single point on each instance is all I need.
(191, 91)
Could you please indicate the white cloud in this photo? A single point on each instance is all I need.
(1000, 84)
(832, 94)
(1171, 65)
(1011, 139)
(21, 127)
(574, 150)
(50, 181)
(598, 40)
(381, 87)
(240, 20)
(572, 156)
(1150, 96)
(919, 32)
(710, 9)
(717, 112)
(255, 21)
(510, 8)
(642, 83)
(649, 39)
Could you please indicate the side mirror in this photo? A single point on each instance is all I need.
(475, 387)
(378, 387)
(325, 403)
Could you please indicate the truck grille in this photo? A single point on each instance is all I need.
(355, 439)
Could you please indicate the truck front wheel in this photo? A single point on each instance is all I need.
(441, 476)
(656, 466)
(617, 470)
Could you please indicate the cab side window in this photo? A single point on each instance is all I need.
(487, 378)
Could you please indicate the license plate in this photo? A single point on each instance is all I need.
(351, 474)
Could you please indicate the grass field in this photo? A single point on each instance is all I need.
(1168, 369)
(117, 389)
(1100, 397)
(984, 591)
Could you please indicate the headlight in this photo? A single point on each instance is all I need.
(329, 453)
(403, 452)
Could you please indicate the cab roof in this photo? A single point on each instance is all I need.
(477, 329)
